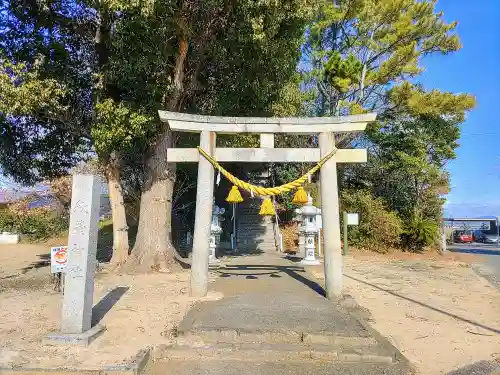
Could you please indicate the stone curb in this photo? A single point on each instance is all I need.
(271, 352)
(134, 367)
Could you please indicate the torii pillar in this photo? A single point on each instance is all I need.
(325, 127)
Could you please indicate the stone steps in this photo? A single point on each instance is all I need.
(253, 225)
(255, 243)
(255, 228)
(274, 326)
(274, 352)
(237, 352)
(254, 231)
(232, 336)
(256, 237)
(238, 367)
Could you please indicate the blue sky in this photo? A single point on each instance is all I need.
(475, 69)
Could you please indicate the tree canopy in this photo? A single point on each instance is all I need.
(366, 56)
(87, 78)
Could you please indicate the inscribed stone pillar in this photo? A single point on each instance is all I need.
(203, 218)
(82, 248)
(331, 220)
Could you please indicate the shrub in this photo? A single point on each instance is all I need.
(7, 220)
(36, 224)
(379, 228)
(420, 232)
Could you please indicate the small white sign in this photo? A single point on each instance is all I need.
(58, 259)
(352, 219)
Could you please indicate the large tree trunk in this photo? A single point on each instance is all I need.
(120, 228)
(153, 249)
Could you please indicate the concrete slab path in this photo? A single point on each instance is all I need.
(274, 319)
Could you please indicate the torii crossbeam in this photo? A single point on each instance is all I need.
(325, 127)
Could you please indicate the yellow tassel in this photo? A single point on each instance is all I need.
(300, 196)
(234, 195)
(267, 208)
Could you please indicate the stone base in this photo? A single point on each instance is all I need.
(214, 263)
(79, 339)
(310, 262)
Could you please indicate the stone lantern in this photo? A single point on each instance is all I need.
(215, 231)
(309, 229)
(301, 253)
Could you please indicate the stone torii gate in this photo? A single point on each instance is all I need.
(209, 126)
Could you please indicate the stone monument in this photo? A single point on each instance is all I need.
(79, 279)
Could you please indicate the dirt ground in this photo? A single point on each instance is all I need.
(435, 309)
(138, 311)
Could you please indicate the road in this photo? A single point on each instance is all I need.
(489, 269)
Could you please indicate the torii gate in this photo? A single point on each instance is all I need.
(209, 126)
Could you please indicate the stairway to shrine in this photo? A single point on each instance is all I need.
(254, 232)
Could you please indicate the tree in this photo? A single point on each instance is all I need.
(121, 62)
(212, 58)
(32, 106)
(406, 167)
(45, 88)
(118, 130)
(67, 46)
(361, 55)
(365, 55)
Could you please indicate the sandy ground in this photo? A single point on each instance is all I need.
(436, 310)
(138, 311)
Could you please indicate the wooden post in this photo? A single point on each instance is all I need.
(331, 220)
(204, 197)
(346, 243)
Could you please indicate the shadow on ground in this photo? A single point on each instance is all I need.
(491, 329)
(478, 368)
(43, 261)
(272, 271)
(106, 303)
(475, 251)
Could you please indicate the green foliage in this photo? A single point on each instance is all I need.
(420, 232)
(413, 100)
(365, 56)
(35, 224)
(25, 92)
(341, 73)
(44, 114)
(119, 127)
(363, 53)
(41, 225)
(231, 58)
(379, 228)
(7, 220)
